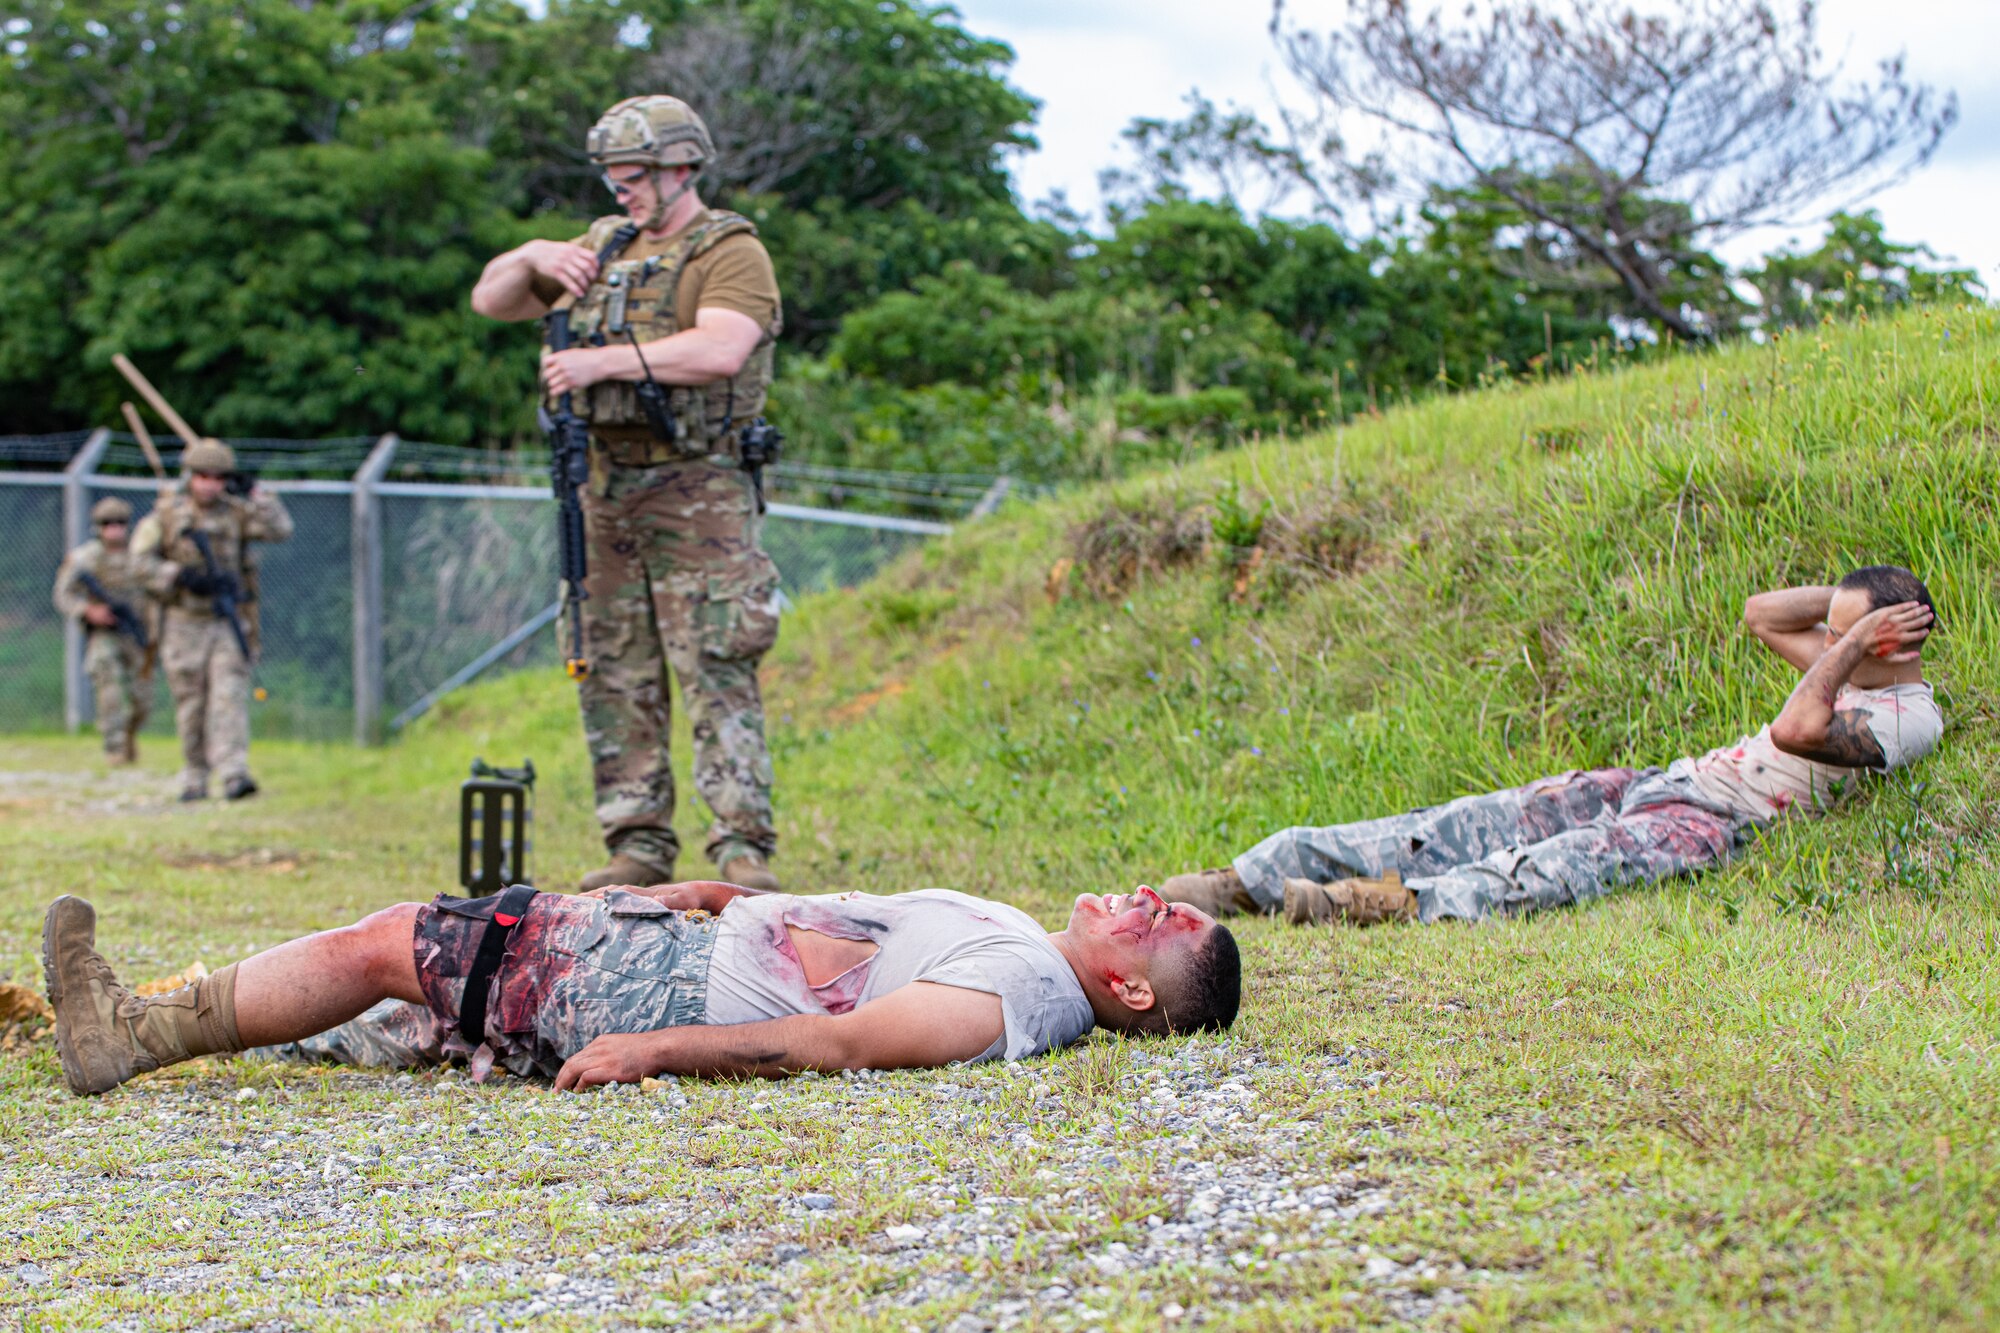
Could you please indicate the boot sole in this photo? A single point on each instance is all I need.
(88, 1072)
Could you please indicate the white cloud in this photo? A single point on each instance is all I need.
(1097, 64)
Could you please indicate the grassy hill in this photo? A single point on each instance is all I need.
(1765, 1096)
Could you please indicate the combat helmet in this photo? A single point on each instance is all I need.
(110, 509)
(654, 132)
(650, 131)
(209, 455)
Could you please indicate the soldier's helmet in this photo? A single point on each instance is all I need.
(209, 455)
(110, 509)
(653, 131)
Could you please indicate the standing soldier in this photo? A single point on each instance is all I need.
(99, 584)
(675, 309)
(210, 609)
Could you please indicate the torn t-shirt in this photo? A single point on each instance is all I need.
(933, 935)
(1760, 782)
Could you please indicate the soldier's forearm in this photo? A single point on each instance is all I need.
(690, 358)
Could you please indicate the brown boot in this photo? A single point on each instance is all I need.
(1216, 892)
(747, 867)
(104, 1033)
(627, 869)
(1359, 902)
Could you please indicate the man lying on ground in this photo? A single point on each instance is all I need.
(1862, 706)
(701, 978)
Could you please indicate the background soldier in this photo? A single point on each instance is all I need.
(208, 665)
(117, 624)
(674, 327)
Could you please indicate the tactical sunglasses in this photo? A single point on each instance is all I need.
(622, 186)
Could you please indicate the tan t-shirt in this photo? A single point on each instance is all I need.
(1760, 782)
(735, 274)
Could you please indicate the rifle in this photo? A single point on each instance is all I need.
(569, 471)
(224, 595)
(122, 612)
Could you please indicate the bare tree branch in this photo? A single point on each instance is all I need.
(1642, 139)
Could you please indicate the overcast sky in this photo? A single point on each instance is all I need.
(1097, 64)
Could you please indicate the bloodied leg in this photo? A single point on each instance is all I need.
(1427, 842)
(1664, 827)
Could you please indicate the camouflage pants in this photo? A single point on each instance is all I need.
(114, 662)
(677, 580)
(576, 968)
(1555, 841)
(210, 683)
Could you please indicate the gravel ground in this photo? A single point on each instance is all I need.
(1122, 1185)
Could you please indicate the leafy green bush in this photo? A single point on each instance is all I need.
(1207, 411)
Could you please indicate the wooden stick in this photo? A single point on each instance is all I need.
(145, 440)
(153, 399)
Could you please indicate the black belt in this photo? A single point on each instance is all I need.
(507, 913)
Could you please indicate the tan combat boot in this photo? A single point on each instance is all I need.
(1359, 902)
(104, 1033)
(627, 869)
(748, 868)
(1217, 892)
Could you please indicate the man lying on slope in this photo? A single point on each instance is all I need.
(701, 978)
(1862, 706)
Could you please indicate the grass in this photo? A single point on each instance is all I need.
(1763, 1097)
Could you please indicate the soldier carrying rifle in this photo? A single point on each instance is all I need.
(99, 584)
(193, 553)
(661, 321)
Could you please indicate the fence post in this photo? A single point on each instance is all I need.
(367, 549)
(991, 500)
(76, 530)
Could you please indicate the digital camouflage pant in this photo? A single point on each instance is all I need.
(1555, 841)
(677, 579)
(575, 969)
(210, 683)
(114, 662)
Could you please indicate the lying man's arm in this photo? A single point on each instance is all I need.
(1791, 622)
(694, 895)
(1809, 727)
(919, 1026)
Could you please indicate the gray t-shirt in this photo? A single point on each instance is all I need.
(934, 935)
(1761, 782)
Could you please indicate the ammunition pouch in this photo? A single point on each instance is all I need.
(638, 447)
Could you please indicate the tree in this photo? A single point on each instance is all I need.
(870, 101)
(1854, 268)
(279, 205)
(1630, 142)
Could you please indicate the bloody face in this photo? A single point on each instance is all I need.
(1123, 934)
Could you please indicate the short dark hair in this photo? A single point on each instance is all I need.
(1887, 585)
(1205, 995)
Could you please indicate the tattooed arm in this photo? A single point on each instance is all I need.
(1810, 727)
(918, 1026)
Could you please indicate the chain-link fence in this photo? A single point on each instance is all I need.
(412, 569)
